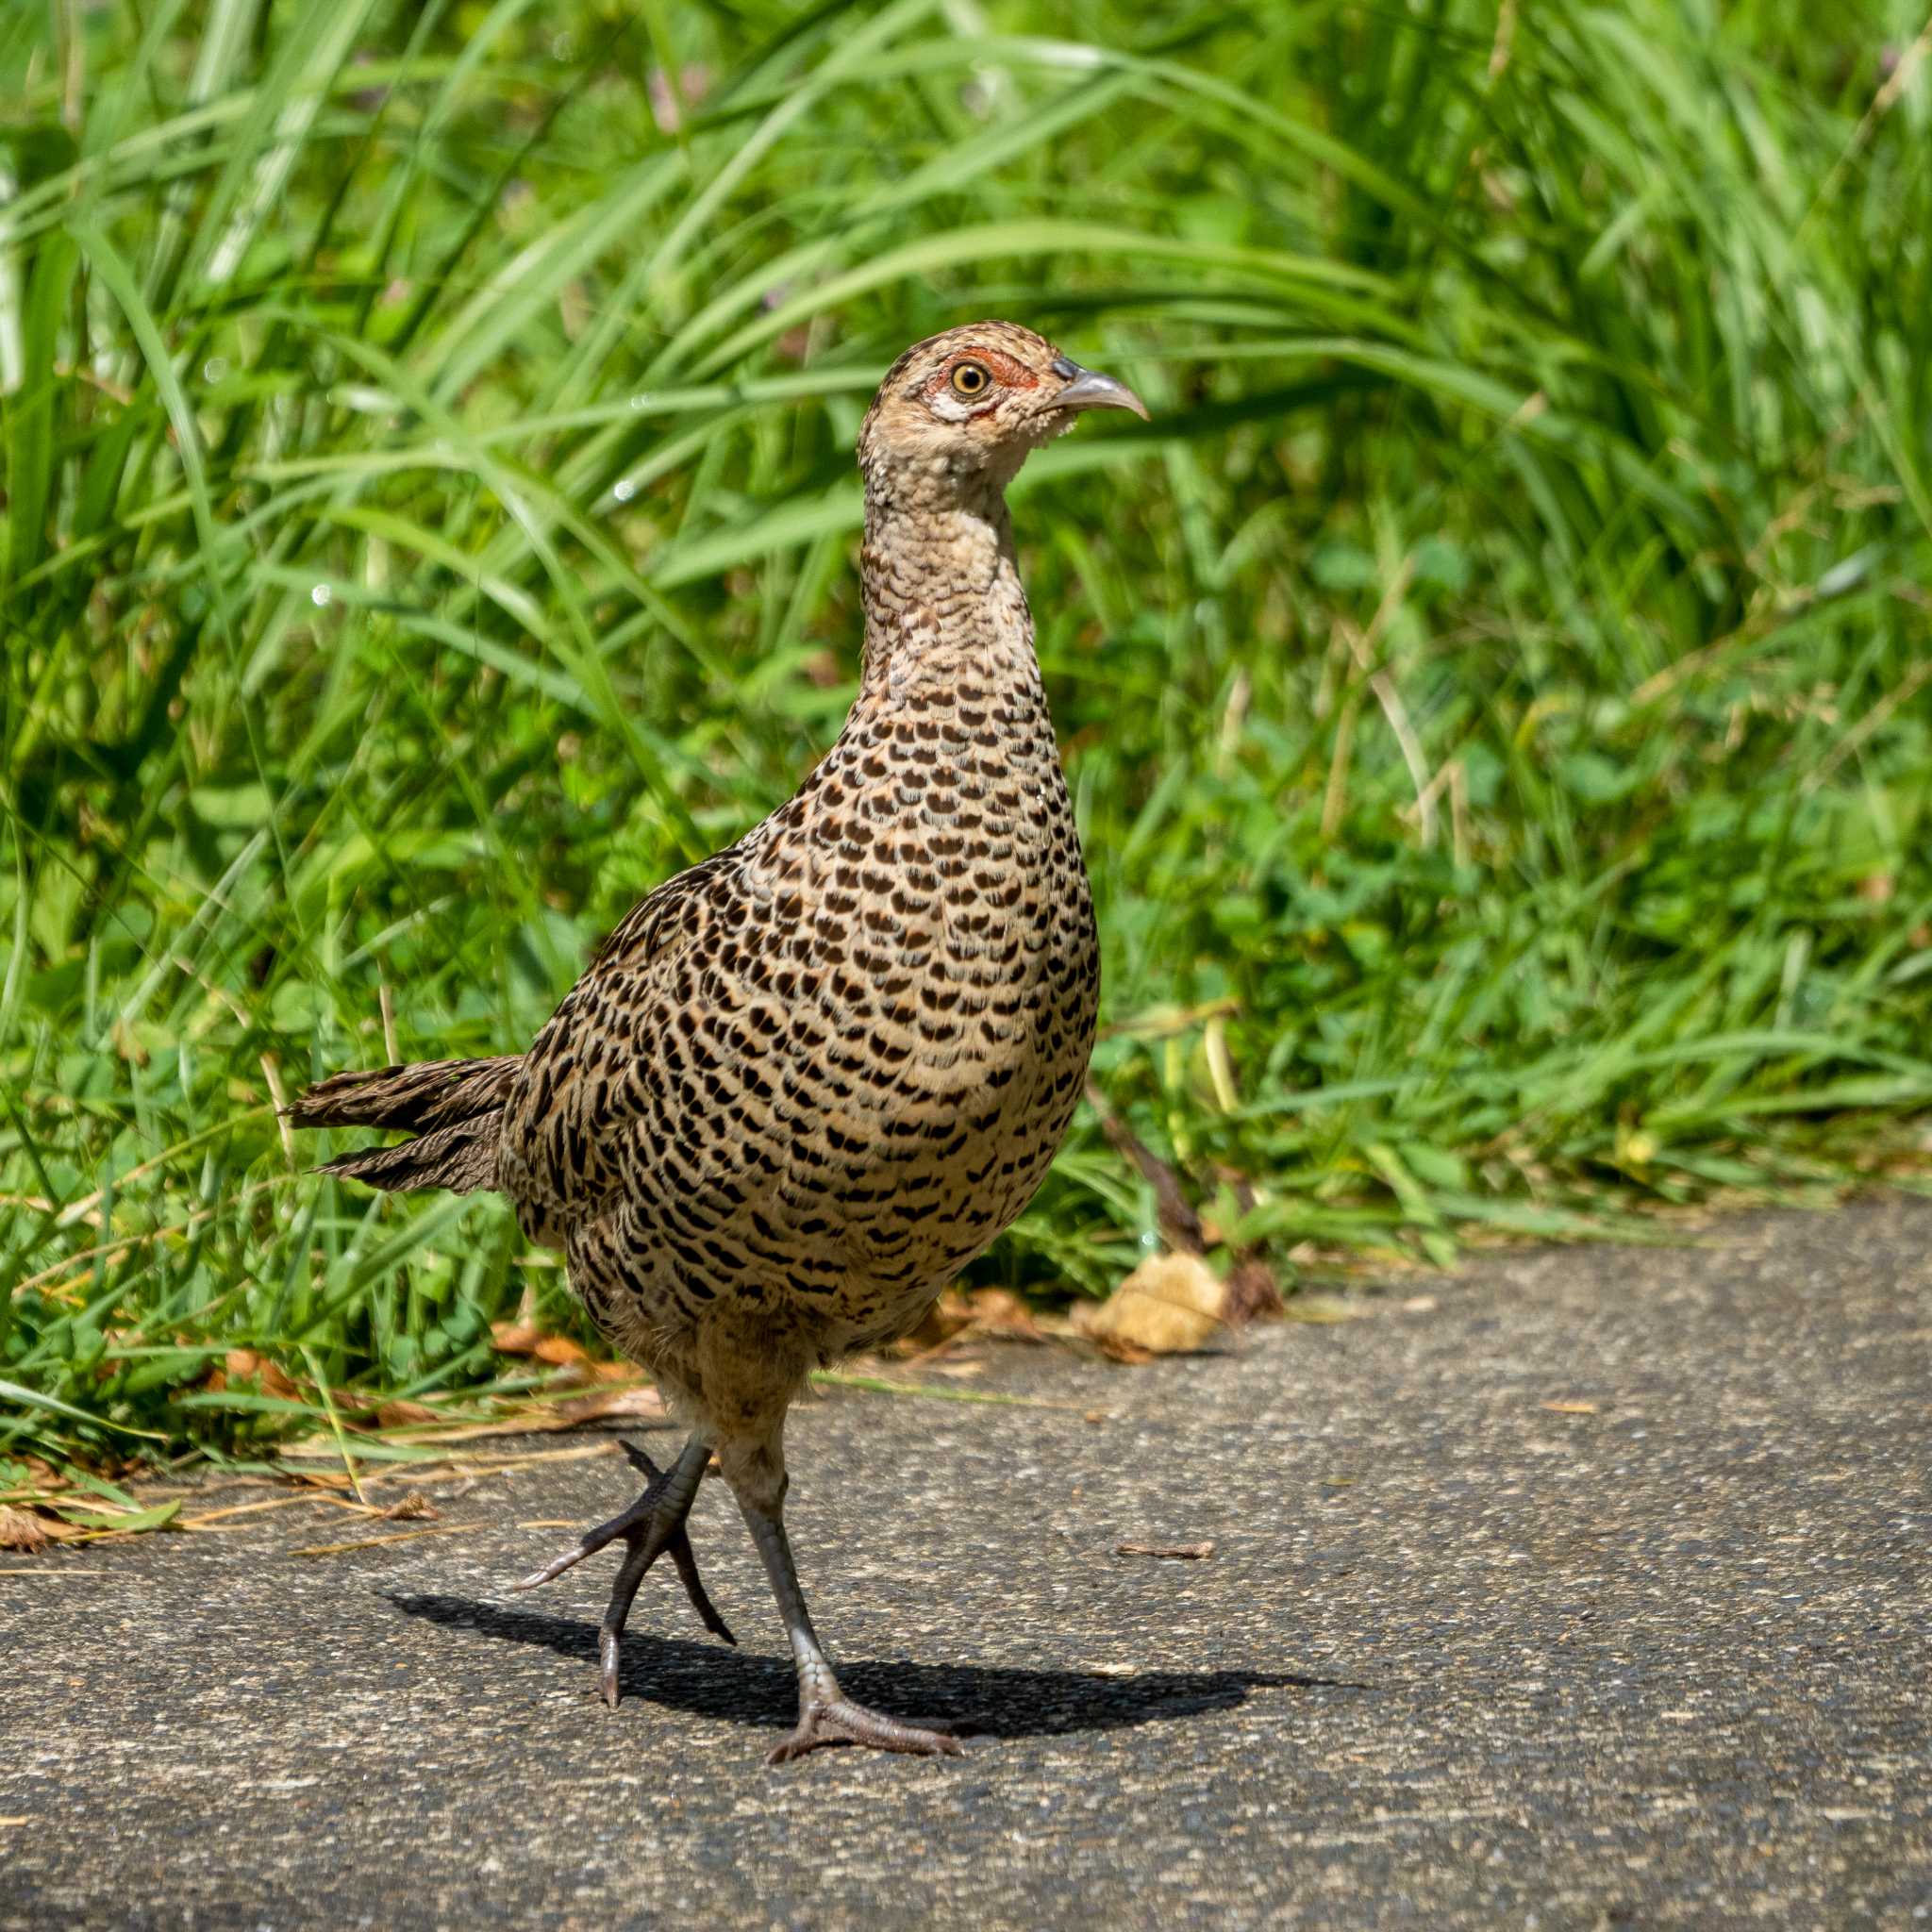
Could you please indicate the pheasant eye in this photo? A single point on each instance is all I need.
(971, 379)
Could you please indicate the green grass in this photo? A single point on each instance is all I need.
(1494, 686)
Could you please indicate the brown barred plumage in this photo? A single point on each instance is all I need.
(803, 1083)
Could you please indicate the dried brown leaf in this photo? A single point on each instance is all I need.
(414, 1507)
(999, 1311)
(638, 1400)
(20, 1529)
(1169, 1305)
(948, 1317)
(1118, 1348)
(1192, 1553)
(644, 1402)
(245, 1365)
(320, 1478)
(403, 1415)
(525, 1338)
(1253, 1292)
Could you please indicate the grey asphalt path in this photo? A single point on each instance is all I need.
(1459, 1658)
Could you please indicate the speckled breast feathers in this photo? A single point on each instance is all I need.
(806, 1082)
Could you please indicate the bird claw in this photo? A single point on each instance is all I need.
(842, 1722)
(687, 1567)
(637, 1527)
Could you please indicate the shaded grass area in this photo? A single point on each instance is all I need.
(1494, 686)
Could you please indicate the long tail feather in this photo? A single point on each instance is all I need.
(454, 1108)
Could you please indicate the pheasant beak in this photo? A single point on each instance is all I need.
(1086, 388)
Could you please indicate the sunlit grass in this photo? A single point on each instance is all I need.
(1494, 686)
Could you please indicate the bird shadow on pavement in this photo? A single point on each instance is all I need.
(710, 1680)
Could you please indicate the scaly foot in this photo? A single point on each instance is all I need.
(653, 1526)
(842, 1722)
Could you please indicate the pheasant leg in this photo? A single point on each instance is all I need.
(653, 1526)
(825, 1714)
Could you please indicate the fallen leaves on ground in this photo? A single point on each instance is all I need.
(641, 1403)
(36, 1529)
(615, 1390)
(1192, 1553)
(939, 1328)
(414, 1507)
(999, 1311)
(59, 1521)
(635, 1401)
(404, 1415)
(21, 1529)
(1253, 1292)
(1170, 1305)
(961, 1315)
(526, 1339)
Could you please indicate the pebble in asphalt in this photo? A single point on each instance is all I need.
(1584, 1588)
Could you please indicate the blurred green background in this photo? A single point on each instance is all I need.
(1494, 686)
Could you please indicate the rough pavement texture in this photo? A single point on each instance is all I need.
(1460, 1657)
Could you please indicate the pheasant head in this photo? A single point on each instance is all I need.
(959, 412)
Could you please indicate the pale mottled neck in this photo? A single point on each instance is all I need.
(943, 605)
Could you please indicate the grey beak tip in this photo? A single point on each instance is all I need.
(1086, 388)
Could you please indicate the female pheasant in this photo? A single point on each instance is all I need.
(805, 1082)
